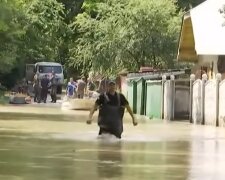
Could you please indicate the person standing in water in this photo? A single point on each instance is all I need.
(71, 88)
(81, 88)
(44, 88)
(53, 83)
(37, 89)
(90, 87)
(111, 110)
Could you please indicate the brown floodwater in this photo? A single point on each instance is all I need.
(36, 147)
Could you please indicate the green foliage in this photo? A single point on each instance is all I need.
(127, 34)
(71, 9)
(44, 29)
(3, 99)
(103, 36)
(30, 31)
(91, 7)
(10, 33)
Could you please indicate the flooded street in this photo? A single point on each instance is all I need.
(60, 146)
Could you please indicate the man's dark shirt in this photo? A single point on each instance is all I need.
(44, 83)
(113, 99)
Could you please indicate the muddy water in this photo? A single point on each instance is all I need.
(37, 148)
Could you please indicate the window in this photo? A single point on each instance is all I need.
(50, 69)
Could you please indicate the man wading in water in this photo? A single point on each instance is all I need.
(111, 110)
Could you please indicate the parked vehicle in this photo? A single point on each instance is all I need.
(43, 68)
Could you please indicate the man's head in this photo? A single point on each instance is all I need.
(71, 79)
(111, 86)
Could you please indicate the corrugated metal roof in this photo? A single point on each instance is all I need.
(153, 75)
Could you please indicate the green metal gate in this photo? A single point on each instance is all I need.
(140, 96)
(132, 95)
(154, 99)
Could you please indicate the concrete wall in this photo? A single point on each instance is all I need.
(209, 61)
(222, 104)
(167, 101)
(197, 102)
(208, 106)
(206, 60)
(210, 103)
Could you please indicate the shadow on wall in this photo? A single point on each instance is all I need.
(182, 98)
(221, 65)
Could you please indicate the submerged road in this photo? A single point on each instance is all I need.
(46, 143)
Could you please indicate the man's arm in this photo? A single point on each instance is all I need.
(92, 111)
(125, 103)
(131, 114)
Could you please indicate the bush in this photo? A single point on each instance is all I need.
(4, 100)
(2, 90)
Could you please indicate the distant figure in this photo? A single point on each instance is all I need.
(71, 89)
(44, 88)
(37, 89)
(81, 86)
(24, 86)
(53, 83)
(111, 111)
(90, 87)
(103, 85)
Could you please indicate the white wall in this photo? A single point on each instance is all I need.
(167, 101)
(207, 61)
(210, 103)
(197, 102)
(222, 104)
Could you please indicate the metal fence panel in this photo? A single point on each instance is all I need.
(141, 96)
(154, 99)
(182, 99)
(132, 95)
(197, 102)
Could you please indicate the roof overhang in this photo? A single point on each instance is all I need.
(202, 32)
(186, 50)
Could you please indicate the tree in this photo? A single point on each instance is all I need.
(32, 30)
(44, 28)
(10, 33)
(127, 34)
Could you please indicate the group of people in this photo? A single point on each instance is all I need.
(41, 87)
(80, 88)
